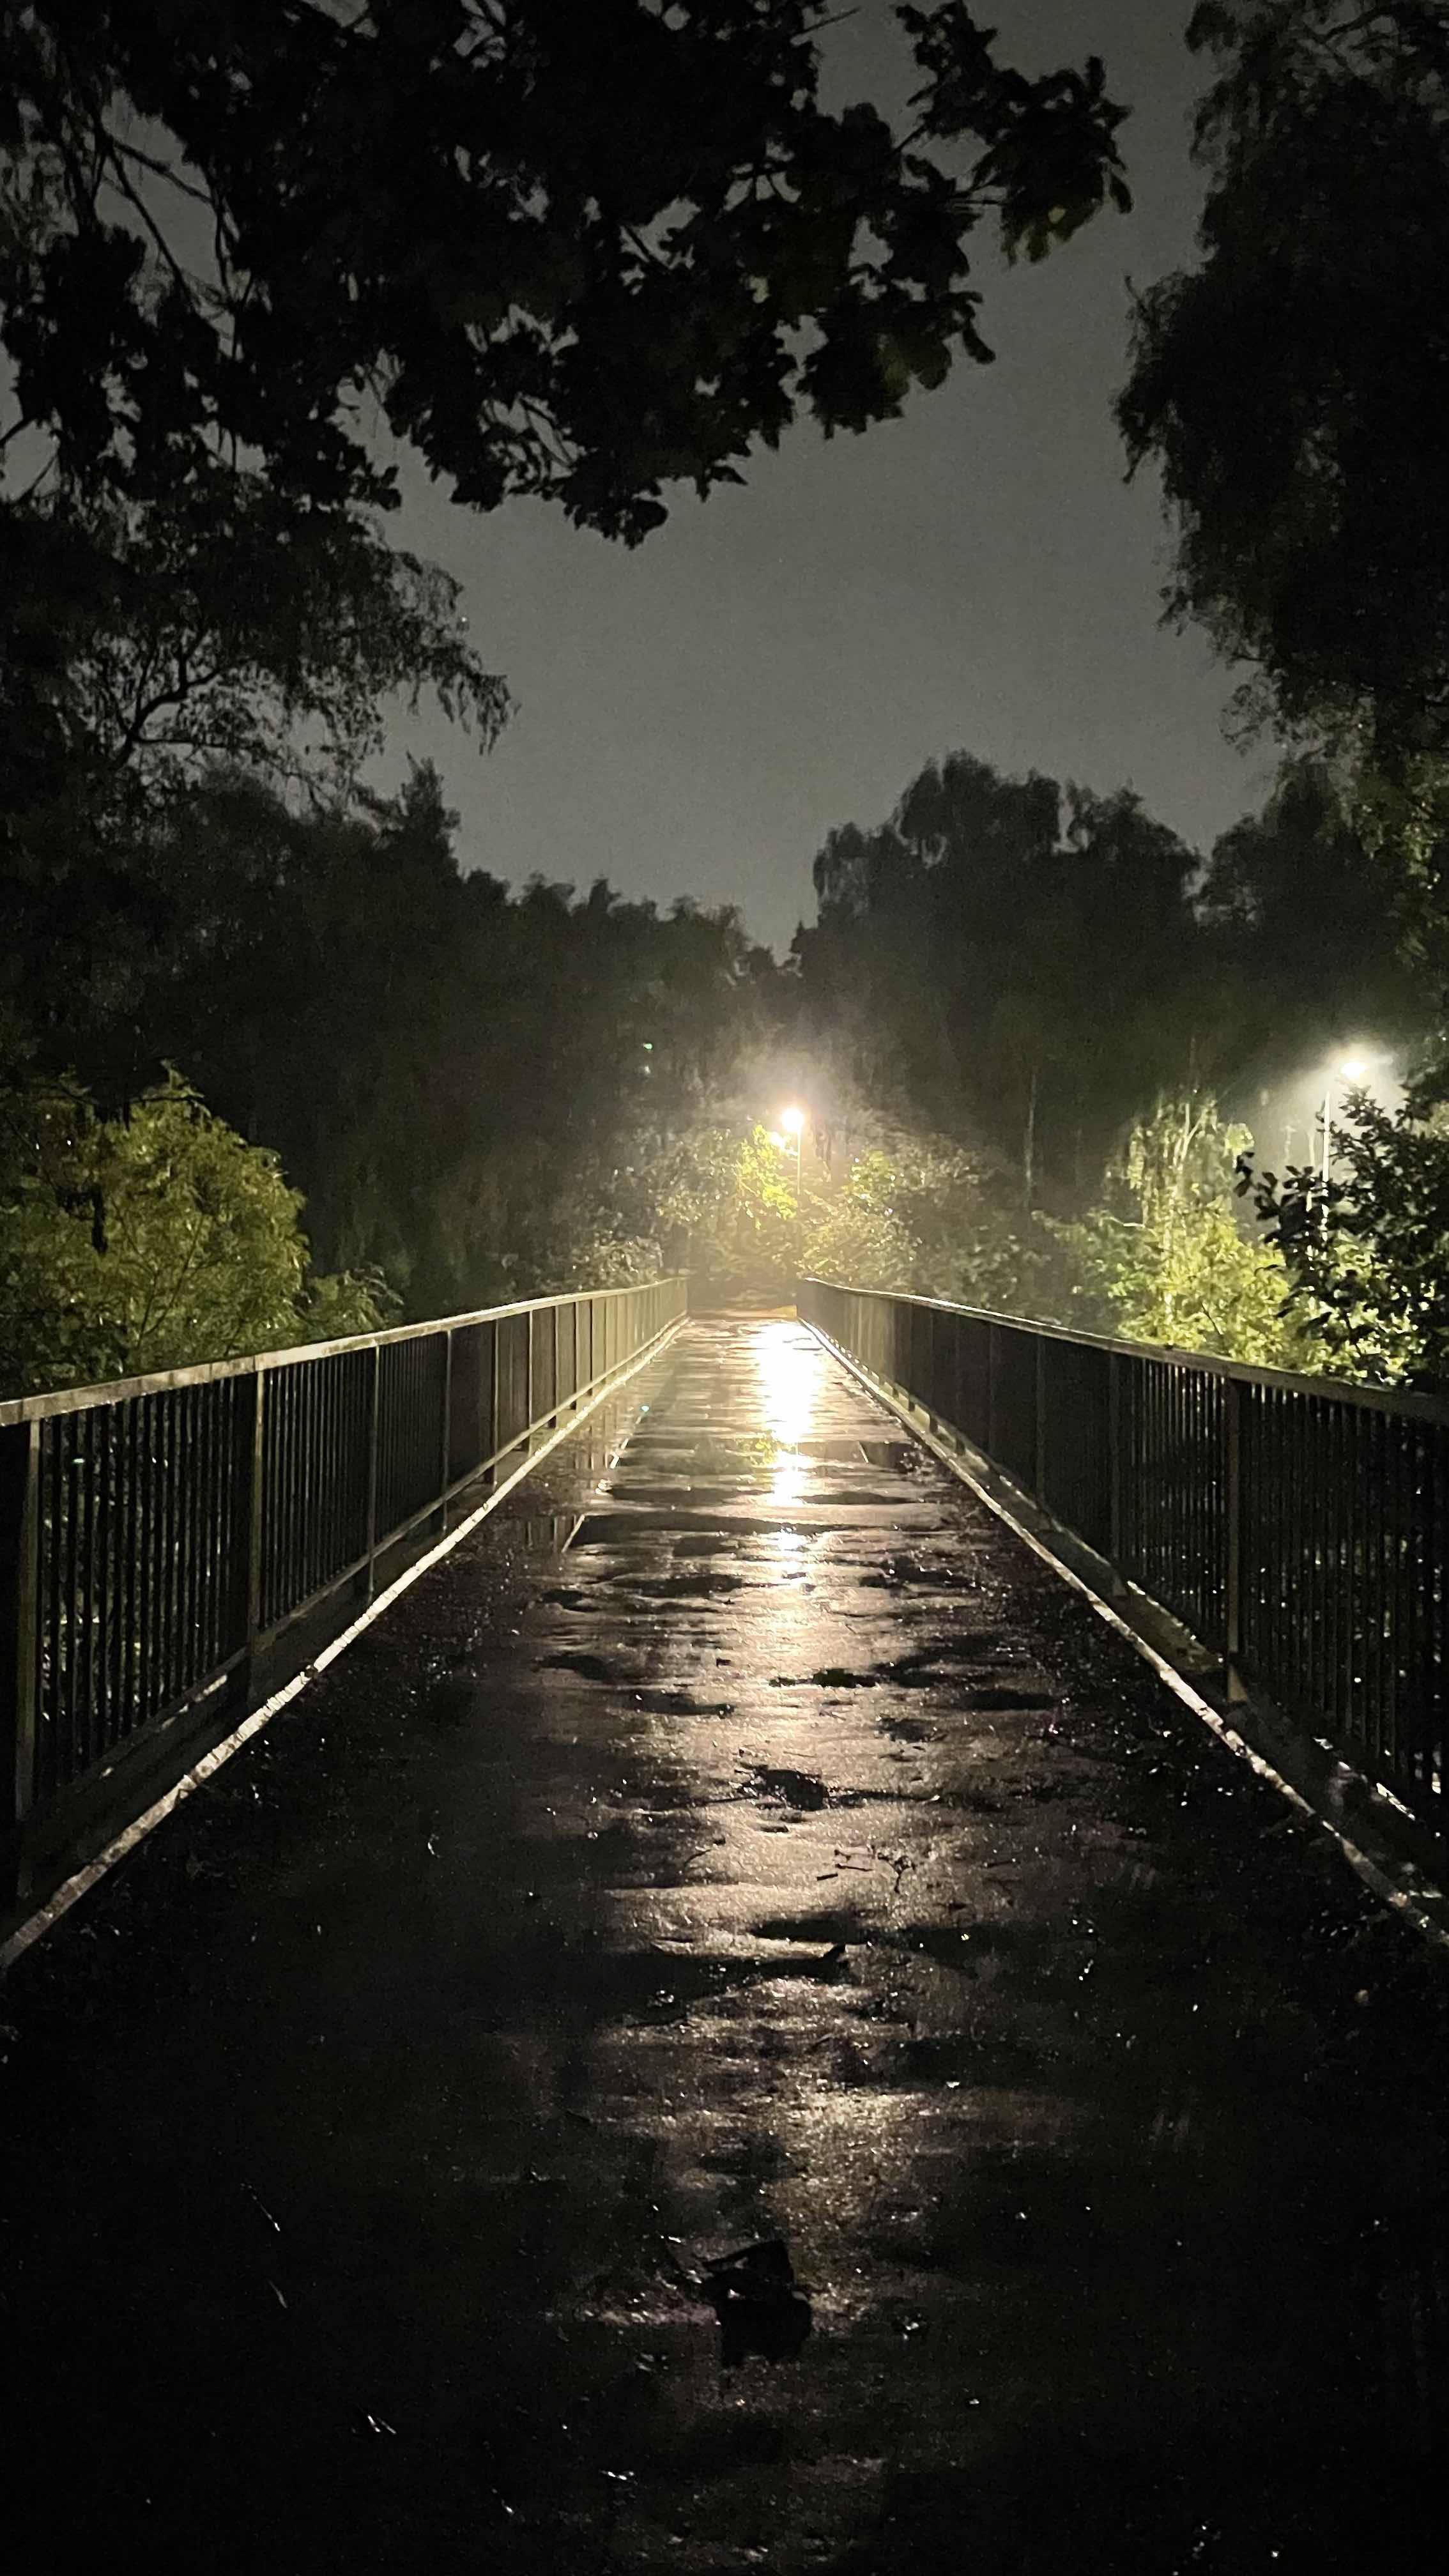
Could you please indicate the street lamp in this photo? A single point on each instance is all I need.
(1351, 1068)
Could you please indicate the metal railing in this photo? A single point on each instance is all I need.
(1296, 1526)
(159, 1537)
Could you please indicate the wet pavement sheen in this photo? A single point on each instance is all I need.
(738, 2027)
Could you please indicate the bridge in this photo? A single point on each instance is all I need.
(644, 1941)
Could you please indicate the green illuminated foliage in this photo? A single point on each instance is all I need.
(148, 1242)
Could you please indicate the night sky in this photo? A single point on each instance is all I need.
(695, 715)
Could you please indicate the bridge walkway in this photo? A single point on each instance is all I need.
(756, 1848)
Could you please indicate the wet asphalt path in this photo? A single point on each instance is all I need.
(788, 1859)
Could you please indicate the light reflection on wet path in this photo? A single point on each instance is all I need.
(788, 1856)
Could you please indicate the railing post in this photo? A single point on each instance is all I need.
(1116, 1470)
(444, 1434)
(374, 1411)
(1233, 1534)
(19, 1626)
(252, 1435)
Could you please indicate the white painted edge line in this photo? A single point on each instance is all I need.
(1359, 1862)
(71, 1890)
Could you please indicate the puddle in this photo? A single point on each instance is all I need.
(589, 1668)
(829, 1677)
(667, 1702)
(681, 1587)
(963, 1670)
(843, 1925)
(656, 1986)
(788, 1788)
(763, 2310)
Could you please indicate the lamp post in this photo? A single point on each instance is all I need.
(793, 1123)
(1353, 1068)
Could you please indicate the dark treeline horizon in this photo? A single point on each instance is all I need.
(483, 1091)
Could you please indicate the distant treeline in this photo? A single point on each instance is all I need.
(1016, 1001)
(1031, 966)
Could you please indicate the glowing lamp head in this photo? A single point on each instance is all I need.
(1354, 1068)
(793, 1121)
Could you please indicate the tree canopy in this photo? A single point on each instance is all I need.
(584, 252)
(970, 962)
(1293, 387)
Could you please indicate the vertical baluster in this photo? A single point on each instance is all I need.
(151, 1602)
(1391, 1590)
(1439, 1619)
(72, 1739)
(1282, 1544)
(165, 1551)
(1338, 1468)
(1393, 1546)
(111, 1574)
(218, 1640)
(294, 1429)
(255, 1505)
(204, 1529)
(314, 1473)
(47, 1715)
(206, 1524)
(1407, 1594)
(1373, 1589)
(22, 1507)
(1356, 1720)
(288, 1398)
(192, 1668)
(165, 1556)
(1306, 1409)
(1267, 1500)
(305, 1432)
(1341, 1475)
(1233, 1394)
(329, 1515)
(178, 1482)
(136, 1622)
(300, 1424)
(83, 1588)
(445, 1417)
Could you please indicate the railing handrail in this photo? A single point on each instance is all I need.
(1377, 1399)
(80, 1399)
